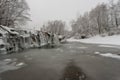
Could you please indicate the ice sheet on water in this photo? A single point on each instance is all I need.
(82, 47)
(20, 64)
(109, 46)
(8, 60)
(5, 66)
(97, 52)
(110, 55)
(10, 64)
(59, 49)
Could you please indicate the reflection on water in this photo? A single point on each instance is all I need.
(73, 72)
(50, 46)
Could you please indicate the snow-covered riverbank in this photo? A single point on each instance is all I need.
(111, 40)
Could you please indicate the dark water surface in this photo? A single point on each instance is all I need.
(72, 61)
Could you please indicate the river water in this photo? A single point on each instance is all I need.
(71, 61)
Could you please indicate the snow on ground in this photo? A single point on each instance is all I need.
(106, 46)
(109, 46)
(111, 55)
(112, 40)
(108, 55)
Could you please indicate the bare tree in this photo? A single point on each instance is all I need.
(118, 13)
(84, 24)
(13, 12)
(93, 22)
(81, 25)
(55, 27)
(74, 26)
(114, 9)
(99, 18)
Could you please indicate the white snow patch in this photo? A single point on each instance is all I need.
(82, 47)
(9, 64)
(109, 46)
(97, 52)
(112, 40)
(106, 46)
(110, 55)
(4, 68)
(43, 44)
(59, 49)
(73, 40)
(8, 60)
(20, 64)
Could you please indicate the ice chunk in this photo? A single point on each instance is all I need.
(8, 60)
(20, 64)
(97, 52)
(111, 55)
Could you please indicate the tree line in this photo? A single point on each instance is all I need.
(104, 18)
(55, 27)
(13, 12)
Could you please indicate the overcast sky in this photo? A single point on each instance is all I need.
(43, 10)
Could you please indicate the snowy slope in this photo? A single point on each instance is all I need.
(112, 40)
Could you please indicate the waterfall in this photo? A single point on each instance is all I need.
(56, 40)
(47, 39)
(42, 39)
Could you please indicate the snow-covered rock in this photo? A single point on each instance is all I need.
(10, 30)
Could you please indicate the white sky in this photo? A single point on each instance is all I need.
(43, 10)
